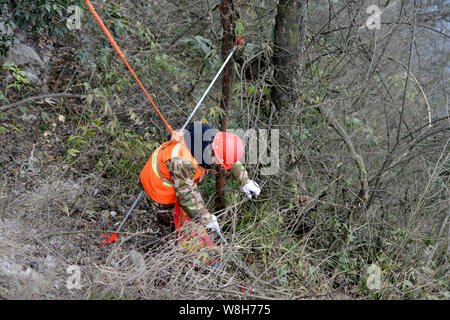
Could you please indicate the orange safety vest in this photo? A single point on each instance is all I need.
(155, 176)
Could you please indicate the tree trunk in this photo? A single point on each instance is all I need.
(226, 15)
(289, 32)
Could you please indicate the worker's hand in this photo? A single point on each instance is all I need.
(177, 136)
(213, 224)
(251, 189)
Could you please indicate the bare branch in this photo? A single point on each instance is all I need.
(42, 96)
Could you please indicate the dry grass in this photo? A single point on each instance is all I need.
(358, 186)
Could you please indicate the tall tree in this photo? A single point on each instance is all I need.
(289, 34)
(226, 16)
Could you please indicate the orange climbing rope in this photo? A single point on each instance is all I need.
(119, 52)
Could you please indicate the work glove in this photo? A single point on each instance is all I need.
(251, 188)
(213, 224)
(177, 136)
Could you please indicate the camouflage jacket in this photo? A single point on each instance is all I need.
(182, 173)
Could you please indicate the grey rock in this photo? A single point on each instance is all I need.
(21, 54)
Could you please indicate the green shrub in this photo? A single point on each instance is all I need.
(35, 16)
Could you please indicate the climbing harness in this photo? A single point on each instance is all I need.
(113, 237)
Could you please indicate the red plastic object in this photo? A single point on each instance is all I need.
(241, 40)
(112, 238)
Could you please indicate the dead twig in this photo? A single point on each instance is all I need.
(42, 96)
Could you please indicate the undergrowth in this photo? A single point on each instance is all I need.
(70, 170)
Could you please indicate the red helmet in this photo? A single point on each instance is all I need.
(228, 148)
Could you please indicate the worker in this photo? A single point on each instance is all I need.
(171, 175)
